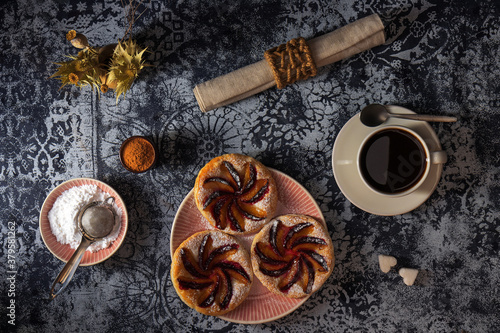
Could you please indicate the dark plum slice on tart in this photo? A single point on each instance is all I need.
(210, 269)
(236, 193)
(292, 250)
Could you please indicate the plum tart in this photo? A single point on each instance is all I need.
(293, 255)
(212, 272)
(236, 193)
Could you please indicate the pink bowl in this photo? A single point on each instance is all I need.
(64, 251)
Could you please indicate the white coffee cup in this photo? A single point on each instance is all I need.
(395, 160)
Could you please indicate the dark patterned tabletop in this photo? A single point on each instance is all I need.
(440, 57)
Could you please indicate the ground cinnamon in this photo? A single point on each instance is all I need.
(137, 154)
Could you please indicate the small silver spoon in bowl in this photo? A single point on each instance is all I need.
(95, 221)
(376, 114)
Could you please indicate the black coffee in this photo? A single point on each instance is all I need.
(392, 161)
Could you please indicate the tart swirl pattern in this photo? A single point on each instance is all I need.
(212, 272)
(236, 193)
(293, 255)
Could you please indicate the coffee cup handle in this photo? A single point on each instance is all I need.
(439, 157)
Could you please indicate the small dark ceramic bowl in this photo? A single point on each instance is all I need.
(137, 137)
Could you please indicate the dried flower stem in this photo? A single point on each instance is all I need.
(130, 15)
(92, 50)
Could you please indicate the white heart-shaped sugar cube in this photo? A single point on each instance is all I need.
(386, 262)
(409, 275)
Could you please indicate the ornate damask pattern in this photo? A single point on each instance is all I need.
(441, 57)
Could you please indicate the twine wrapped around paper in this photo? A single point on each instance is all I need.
(342, 43)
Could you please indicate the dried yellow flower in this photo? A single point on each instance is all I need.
(126, 63)
(104, 88)
(80, 65)
(130, 72)
(71, 35)
(73, 78)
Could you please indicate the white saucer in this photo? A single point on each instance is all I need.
(349, 181)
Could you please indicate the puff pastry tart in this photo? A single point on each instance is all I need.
(212, 272)
(236, 193)
(293, 255)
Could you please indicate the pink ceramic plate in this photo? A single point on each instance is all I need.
(64, 251)
(261, 305)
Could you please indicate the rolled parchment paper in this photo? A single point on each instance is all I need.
(342, 43)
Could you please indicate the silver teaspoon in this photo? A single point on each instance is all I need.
(376, 114)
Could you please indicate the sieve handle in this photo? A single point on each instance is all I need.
(69, 269)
